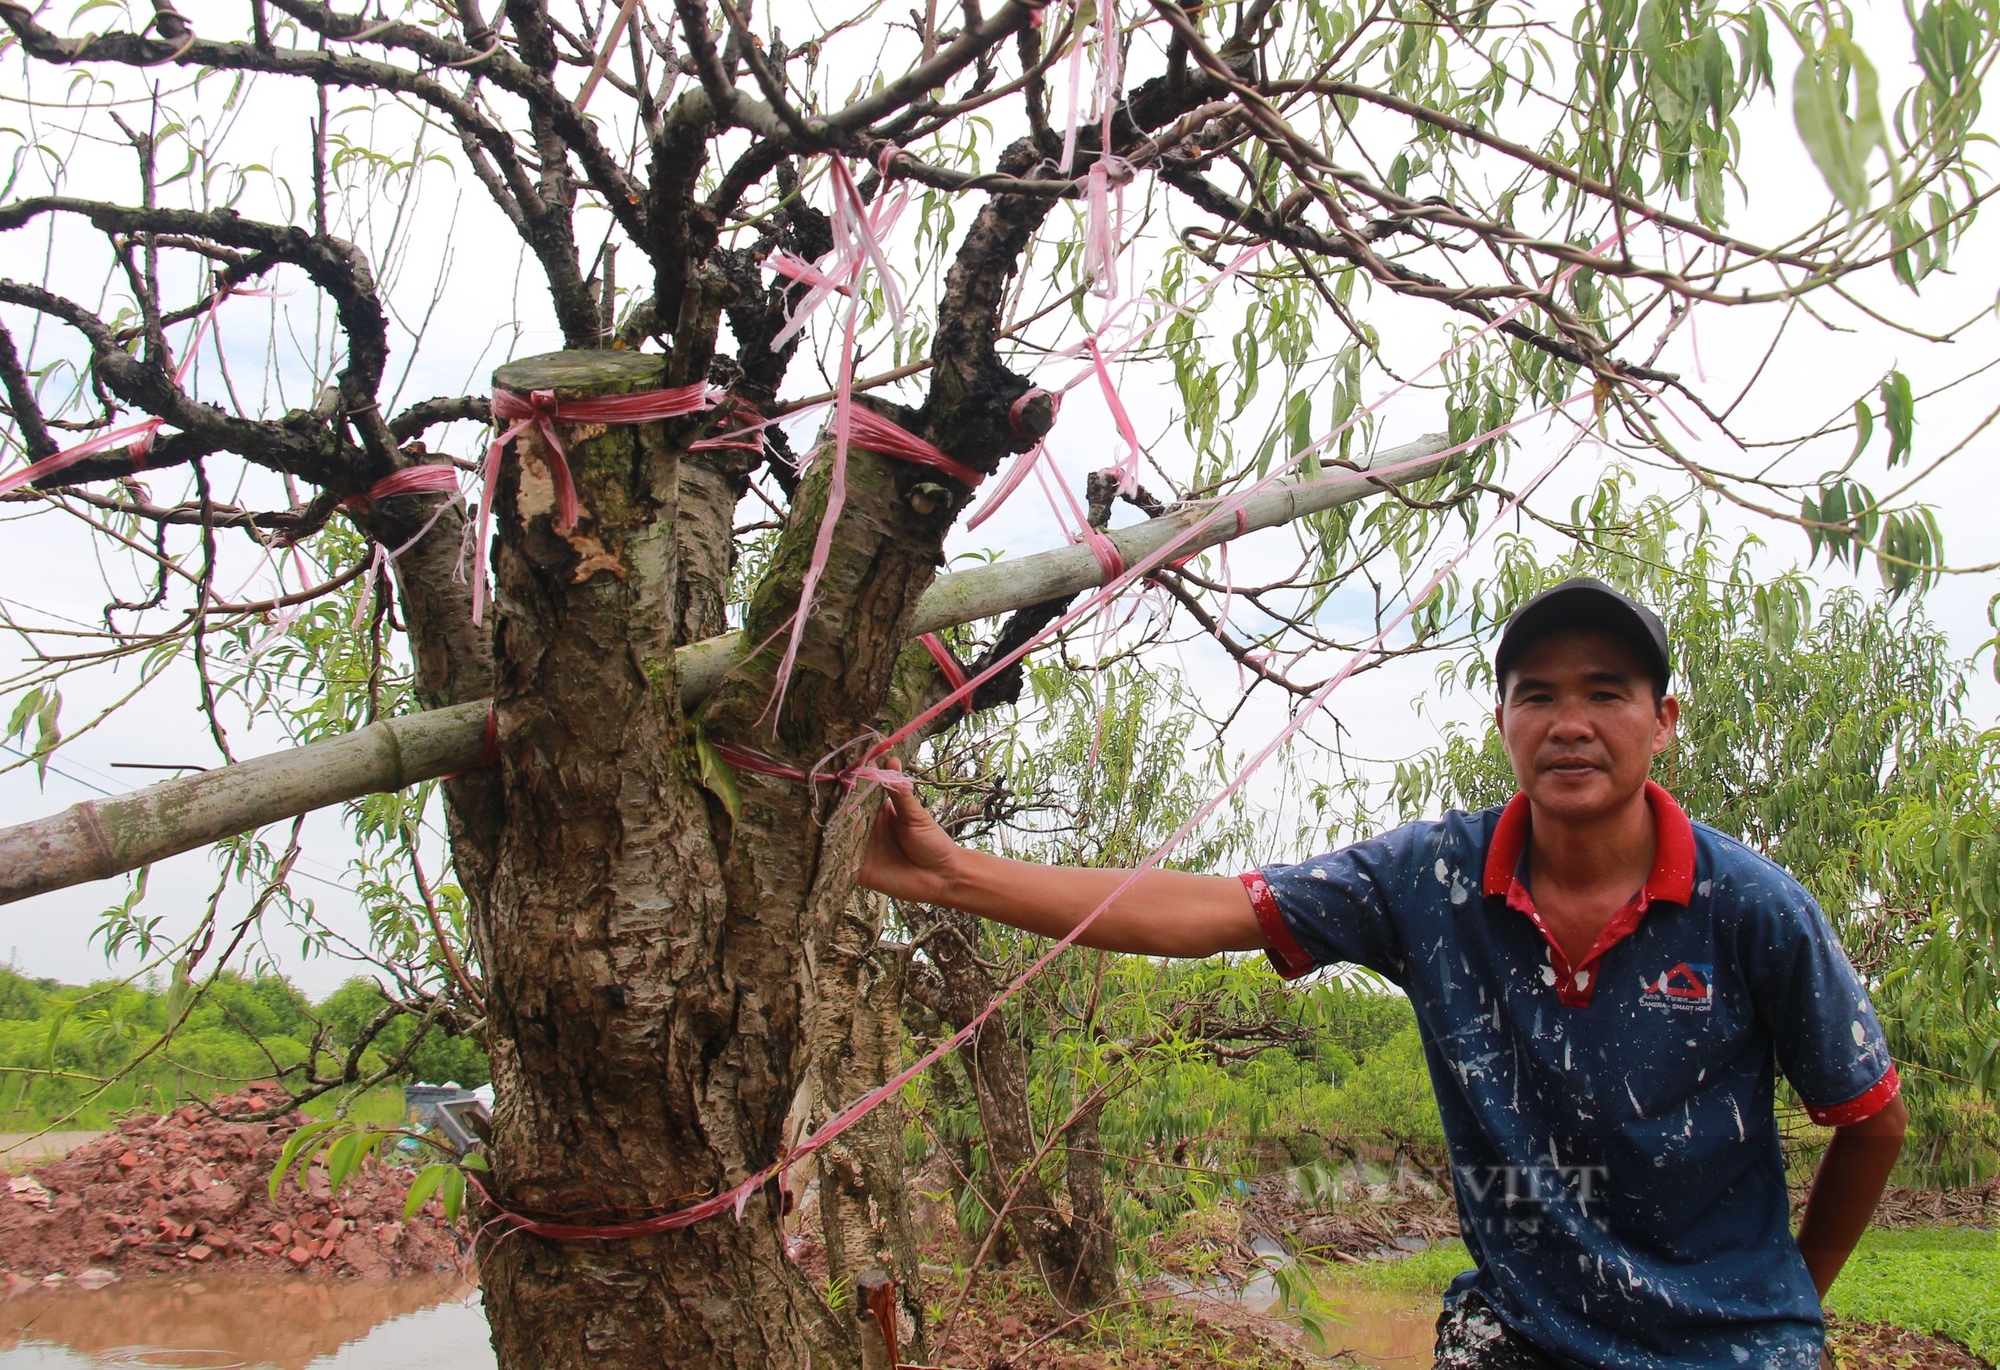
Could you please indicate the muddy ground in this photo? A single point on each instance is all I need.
(187, 1194)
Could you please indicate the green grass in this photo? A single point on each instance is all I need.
(382, 1105)
(1426, 1272)
(1927, 1280)
(1939, 1280)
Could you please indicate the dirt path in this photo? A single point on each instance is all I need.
(19, 1150)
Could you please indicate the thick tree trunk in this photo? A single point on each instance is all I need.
(646, 1007)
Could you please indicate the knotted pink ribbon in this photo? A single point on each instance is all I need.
(877, 434)
(137, 437)
(744, 759)
(430, 479)
(541, 411)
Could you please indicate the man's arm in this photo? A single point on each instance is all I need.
(1161, 913)
(1845, 1190)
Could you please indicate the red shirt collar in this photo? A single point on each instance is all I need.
(1672, 877)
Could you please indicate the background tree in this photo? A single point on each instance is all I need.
(639, 890)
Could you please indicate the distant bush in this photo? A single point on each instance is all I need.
(60, 1044)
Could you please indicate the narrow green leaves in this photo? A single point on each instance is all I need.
(1899, 411)
(1841, 521)
(1864, 429)
(38, 709)
(717, 776)
(1840, 140)
(1911, 553)
(301, 1149)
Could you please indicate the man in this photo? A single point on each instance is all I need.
(1604, 990)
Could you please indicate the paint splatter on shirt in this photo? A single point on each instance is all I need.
(1610, 1122)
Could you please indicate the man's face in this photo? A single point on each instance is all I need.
(1580, 722)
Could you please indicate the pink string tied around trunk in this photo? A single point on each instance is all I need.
(755, 762)
(540, 411)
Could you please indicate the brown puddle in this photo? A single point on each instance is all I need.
(220, 1323)
(1380, 1329)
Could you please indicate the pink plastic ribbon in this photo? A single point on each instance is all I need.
(1106, 552)
(1103, 228)
(541, 410)
(877, 434)
(1022, 467)
(948, 667)
(745, 759)
(430, 479)
(1127, 469)
(136, 437)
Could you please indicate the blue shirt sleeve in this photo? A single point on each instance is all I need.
(1341, 906)
(1828, 1041)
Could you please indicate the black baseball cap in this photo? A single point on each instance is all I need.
(1582, 602)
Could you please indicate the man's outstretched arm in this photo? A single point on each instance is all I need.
(1162, 913)
(1846, 1188)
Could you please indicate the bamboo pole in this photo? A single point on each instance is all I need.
(104, 837)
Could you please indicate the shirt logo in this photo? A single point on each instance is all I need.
(1685, 987)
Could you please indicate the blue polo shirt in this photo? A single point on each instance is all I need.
(1613, 1145)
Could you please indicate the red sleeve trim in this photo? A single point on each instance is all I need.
(1287, 956)
(1863, 1107)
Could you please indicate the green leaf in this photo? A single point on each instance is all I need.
(1298, 429)
(452, 1192)
(422, 1187)
(1864, 429)
(343, 1156)
(1899, 411)
(718, 777)
(1839, 143)
(303, 1143)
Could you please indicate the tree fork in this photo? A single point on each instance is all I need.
(101, 838)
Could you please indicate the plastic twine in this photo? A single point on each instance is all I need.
(136, 438)
(428, 479)
(948, 667)
(877, 434)
(541, 410)
(1128, 468)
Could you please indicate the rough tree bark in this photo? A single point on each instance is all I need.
(864, 1200)
(644, 1015)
